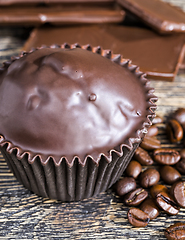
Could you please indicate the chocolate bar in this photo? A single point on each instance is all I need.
(33, 2)
(159, 15)
(182, 65)
(36, 16)
(158, 56)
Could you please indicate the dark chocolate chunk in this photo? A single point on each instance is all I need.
(33, 2)
(161, 16)
(59, 15)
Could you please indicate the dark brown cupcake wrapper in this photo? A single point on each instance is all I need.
(67, 183)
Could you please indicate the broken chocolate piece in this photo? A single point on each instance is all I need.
(33, 2)
(182, 65)
(159, 15)
(56, 14)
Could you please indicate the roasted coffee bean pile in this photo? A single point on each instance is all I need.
(153, 181)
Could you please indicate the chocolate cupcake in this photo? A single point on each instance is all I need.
(71, 118)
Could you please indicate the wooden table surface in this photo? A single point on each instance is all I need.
(23, 215)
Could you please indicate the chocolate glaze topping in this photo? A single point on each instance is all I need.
(72, 103)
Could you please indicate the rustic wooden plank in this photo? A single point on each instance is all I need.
(11, 41)
(178, 3)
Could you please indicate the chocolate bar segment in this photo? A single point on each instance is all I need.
(182, 65)
(36, 16)
(159, 15)
(33, 2)
(158, 56)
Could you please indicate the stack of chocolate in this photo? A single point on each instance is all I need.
(149, 32)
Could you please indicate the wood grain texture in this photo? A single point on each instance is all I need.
(11, 41)
(23, 215)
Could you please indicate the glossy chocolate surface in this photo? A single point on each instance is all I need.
(182, 65)
(60, 15)
(71, 102)
(158, 56)
(25, 2)
(161, 16)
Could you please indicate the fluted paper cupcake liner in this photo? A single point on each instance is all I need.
(67, 183)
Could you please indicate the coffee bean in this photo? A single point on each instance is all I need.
(135, 197)
(166, 203)
(182, 153)
(164, 200)
(133, 170)
(157, 189)
(143, 157)
(149, 206)
(169, 201)
(152, 131)
(174, 131)
(175, 231)
(150, 143)
(149, 177)
(178, 192)
(157, 120)
(137, 217)
(166, 156)
(180, 166)
(169, 174)
(125, 185)
(179, 115)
